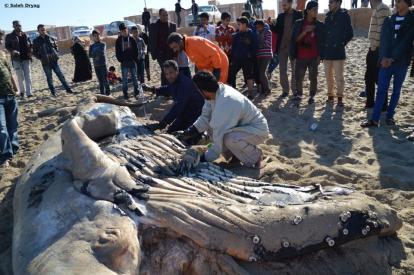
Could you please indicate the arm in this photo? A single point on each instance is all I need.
(212, 32)
(8, 44)
(179, 106)
(202, 124)
(348, 32)
(165, 90)
(385, 39)
(118, 53)
(36, 49)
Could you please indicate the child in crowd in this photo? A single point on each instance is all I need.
(112, 76)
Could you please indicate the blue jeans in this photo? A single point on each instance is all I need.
(384, 78)
(101, 73)
(141, 70)
(9, 141)
(48, 71)
(273, 64)
(132, 69)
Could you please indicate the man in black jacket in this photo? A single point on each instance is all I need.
(20, 48)
(46, 50)
(146, 19)
(338, 32)
(283, 29)
(188, 101)
(126, 52)
(158, 46)
(178, 10)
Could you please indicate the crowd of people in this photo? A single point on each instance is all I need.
(207, 101)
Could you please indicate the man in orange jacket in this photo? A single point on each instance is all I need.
(206, 55)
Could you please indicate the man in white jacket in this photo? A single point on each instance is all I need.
(233, 121)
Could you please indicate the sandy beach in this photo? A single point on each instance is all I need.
(378, 162)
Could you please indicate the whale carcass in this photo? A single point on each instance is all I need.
(103, 196)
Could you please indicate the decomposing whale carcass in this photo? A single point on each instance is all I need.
(102, 196)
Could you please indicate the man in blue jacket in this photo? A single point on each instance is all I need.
(188, 101)
(338, 32)
(396, 51)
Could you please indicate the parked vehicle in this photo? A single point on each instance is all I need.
(81, 31)
(212, 11)
(113, 27)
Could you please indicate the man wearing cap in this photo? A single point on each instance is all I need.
(205, 54)
(126, 52)
(20, 48)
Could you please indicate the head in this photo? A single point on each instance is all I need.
(246, 14)
(145, 9)
(207, 83)
(170, 69)
(41, 29)
(269, 20)
(123, 30)
(178, 1)
(402, 6)
(287, 5)
(176, 42)
(16, 26)
(163, 15)
(311, 10)
(112, 69)
(193, 1)
(75, 39)
(225, 18)
(334, 5)
(96, 36)
(134, 31)
(374, 3)
(243, 23)
(259, 24)
(204, 18)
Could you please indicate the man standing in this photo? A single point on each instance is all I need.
(338, 32)
(178, 10)
(188, 101)
(9, 142)
(381, 11)
(20, 48)
(194, 11)
(283, 29)
(146, 19)
(97, 51)
(395, 52)
(203, 53)
(236, 125)
(224, 33)
(126, 52)
(204, 29)
(306, 45)
(159, 32)
(46, 50)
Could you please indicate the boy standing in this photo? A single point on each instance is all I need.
(97, 52)
(142, 49)
(205, 30)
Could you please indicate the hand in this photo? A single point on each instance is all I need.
(189, 161)
(15, 53)
(386, 62)
(147, 88)
(156, 126)
(188, 134)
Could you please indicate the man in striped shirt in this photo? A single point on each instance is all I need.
(381, 11)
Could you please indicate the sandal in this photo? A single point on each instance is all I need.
(390, 122)
(411, 137)
(369, 123)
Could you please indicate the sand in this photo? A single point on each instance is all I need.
(378, 162)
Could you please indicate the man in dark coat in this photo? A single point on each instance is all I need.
(146, 19)
(337, 35)
(188, 101)
(20, 48)
(283, 29)
(158, 46)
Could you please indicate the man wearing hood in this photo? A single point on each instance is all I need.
(158, 47)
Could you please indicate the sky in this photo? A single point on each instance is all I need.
(96, 12)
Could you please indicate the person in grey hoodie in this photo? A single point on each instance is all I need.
(97, 53)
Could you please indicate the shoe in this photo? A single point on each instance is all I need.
(69, 91)
(30, 96)
(390, 122)
(22, 95)
(54, 94)
(284, 94)
(126, 97)
(411, 137)
(297, 98)
(5, 164)
(369, 123)
(311, 100)
(330, 99)
(340, 102)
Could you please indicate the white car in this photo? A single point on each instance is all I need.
(212, 10)
(81, 31)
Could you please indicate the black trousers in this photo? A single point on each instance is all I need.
(371, 78)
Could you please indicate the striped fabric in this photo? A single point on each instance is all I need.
(377, 19)
(265, 44)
